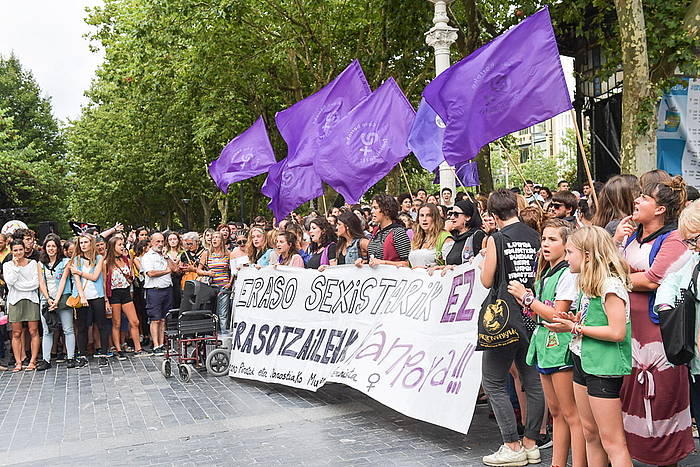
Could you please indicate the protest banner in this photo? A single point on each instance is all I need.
(401, 336)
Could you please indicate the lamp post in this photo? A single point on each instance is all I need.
(186, 202)
(440, 37)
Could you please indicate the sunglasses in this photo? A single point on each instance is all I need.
(454, 214)
(555, 205)
(692, 242)
(241, 242)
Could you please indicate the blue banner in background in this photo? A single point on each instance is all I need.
(678, 131)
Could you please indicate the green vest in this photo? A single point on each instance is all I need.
(604, 358)
(547, 348)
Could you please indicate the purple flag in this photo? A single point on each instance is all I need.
(367, 143)
(290, 187)
(467, 173)
(305, 125)
(247, 155)
(511, 83)
(426, 137)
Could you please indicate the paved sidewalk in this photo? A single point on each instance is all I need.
(128, 414)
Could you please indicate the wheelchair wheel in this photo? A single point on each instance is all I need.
(166, 368)
(185, 372)
(217, 362)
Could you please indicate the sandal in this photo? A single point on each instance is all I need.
(17, 368)
(30, 367)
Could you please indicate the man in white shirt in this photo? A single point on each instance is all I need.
(159, 289)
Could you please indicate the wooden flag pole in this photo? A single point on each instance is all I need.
(517, 169)
(476, 205)
(405, 179)
(585, 160)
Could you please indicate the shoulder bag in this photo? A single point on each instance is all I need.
(678, 324)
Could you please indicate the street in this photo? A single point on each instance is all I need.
(128, 414)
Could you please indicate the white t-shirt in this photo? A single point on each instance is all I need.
(566, 287)
(612, 285)
(153, 261)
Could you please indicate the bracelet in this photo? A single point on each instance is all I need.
(577, 330)
(528, 298)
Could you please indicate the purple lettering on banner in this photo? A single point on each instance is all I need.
(464, 313)
(447, 316)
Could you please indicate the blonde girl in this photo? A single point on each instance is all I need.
(89, 284)
(206, 238)
(431, 242)
(555, 292)
(600, 342)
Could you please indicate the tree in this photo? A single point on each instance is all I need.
(21, 97)
(649, 41)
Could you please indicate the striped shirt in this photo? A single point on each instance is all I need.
(402, 243)
(219, 265)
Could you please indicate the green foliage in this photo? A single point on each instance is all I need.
(21, 98)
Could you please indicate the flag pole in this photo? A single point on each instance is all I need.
(476, 205)
(405, 179)
(585, 161)
(517, 169)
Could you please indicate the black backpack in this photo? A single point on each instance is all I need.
(678, 324)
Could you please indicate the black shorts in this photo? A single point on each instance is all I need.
(597, 386)
(120, 296)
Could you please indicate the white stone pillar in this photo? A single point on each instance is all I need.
(440, 37)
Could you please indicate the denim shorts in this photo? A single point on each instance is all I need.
(120, 296)
(604, 387)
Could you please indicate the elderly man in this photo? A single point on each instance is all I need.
(158, 284)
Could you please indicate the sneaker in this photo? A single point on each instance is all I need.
(533, 455)
(70, 363)
(99, 353)
(42, 365)
(505, 456)
(127, 348)
(121, 355)
(143, 353)
(61, 358)
(102, 361)
(159, 351)
(545, 441)
(81, 362)
(109, 354)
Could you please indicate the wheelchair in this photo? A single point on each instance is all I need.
(191, 337)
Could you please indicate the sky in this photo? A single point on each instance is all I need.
(47, 37)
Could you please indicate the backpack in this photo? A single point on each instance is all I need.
(653, 315)
(678, 324)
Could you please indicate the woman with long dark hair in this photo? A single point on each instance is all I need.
(352, 243)
(615, 202)
(22, 279)
(323, 243)
(89, 285)
(285, 251)
(118, 279)
(58, 288)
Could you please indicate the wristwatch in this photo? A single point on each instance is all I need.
(528, 298)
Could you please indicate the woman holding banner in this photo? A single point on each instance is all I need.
(323, 243)
(464, 223)
(352, 244)
(390, 243)
(431, 242)
(284, 253)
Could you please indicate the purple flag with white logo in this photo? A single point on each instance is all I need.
(511, 83)
(426, 137)
(305, 125)
(247, 155)
(290, 187)
(367, 143)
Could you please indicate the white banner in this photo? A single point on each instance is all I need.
(402, 337)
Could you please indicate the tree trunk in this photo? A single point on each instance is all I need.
(392, 181)
(222, 204)
(483, 163)
(206, 212)
(638, 142)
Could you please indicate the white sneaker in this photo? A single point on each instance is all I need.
(506, 457)
(533, 455)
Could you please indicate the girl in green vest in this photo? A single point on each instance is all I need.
(555, 292)
(600, 342)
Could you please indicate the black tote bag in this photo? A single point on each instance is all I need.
(678, 324)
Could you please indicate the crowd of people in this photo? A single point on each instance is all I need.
(586, 374)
